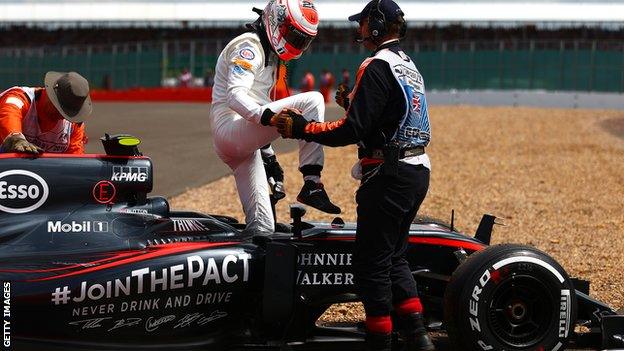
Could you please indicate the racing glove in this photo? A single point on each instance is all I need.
(266, 117)
(290, 124)
(275, 176)
(16, 142)
(342, 96)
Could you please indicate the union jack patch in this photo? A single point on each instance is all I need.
(416, 105)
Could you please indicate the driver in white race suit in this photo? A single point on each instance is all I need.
(243, 106)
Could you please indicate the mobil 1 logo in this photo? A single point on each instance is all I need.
(129, 174)
(22, 191)
(77, 227)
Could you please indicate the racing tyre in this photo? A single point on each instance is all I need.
(509, 297)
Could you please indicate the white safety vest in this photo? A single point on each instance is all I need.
(414, 128)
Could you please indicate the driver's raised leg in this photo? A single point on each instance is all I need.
(311, 156)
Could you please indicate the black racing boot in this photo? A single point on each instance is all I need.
(313, 194)
(378, 342)
(413, 332)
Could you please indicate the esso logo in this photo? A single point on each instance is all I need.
(22, 191)
(247, 54)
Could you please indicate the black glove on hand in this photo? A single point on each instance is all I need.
(342, 96)
(273, 168)
(266, 117)
(275, 176)
(290, 124)
(16, 142)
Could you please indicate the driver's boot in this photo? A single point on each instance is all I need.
(378, 342)
(314, 195)
(413, 332)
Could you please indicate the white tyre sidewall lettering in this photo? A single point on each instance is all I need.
(483, 281)
(528, 259)
(38, 178)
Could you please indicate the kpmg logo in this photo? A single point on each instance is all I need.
(129, 174)
(22, 191)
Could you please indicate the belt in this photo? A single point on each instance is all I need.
(403, 153)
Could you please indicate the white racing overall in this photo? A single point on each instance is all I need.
(243, 82)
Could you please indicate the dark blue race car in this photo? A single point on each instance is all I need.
(89, 261)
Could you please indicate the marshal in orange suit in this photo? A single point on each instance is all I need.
(46, 119)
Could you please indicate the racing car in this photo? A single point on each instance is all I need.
(89, 261)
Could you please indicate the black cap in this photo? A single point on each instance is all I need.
(389, 8)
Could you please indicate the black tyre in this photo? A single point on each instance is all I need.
(509, 297)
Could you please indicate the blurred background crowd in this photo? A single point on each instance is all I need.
(569, 54)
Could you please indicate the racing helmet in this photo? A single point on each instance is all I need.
(290, 25)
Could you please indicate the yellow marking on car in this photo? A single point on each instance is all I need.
(129, 141)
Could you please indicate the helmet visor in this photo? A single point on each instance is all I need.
(298, 39)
